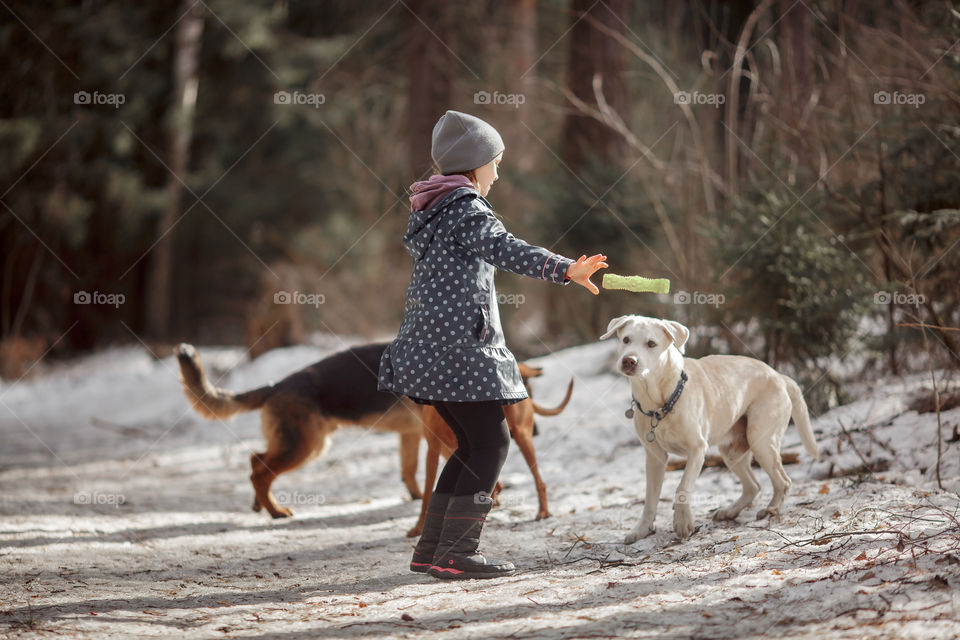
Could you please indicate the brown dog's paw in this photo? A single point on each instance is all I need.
(543, 514)
(281, 512)
(256, 506)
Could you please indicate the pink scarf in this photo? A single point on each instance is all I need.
(426, 192)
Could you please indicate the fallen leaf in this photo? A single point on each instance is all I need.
(862, 556)
(824, 488)
(867, 576)
(939, 582)
(407, 617)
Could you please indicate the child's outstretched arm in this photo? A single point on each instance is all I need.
(581, 270)
(481, 232)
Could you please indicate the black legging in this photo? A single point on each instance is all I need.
(482, 442)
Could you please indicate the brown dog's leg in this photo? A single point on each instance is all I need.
(291, 440)
(262, 476)
(525, 442)
(409, 454)
(495, 494)
(433, 427)
(256, 503)
(520, 418)
(265, 469)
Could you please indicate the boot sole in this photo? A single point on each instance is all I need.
(458, 574)
(420, 567)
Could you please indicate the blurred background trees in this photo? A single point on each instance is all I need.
(790, 166)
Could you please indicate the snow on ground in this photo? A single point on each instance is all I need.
(126, 515)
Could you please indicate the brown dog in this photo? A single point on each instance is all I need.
(300, 413)
(440, 439)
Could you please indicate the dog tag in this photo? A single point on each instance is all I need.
(651, 436)
(628, 413)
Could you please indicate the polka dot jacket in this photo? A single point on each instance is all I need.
(450, 346)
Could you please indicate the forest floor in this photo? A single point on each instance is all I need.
(125, 515)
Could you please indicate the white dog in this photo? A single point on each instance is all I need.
(737, 403)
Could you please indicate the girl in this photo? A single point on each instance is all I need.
(450, 350)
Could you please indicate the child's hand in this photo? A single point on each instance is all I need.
(581, 270)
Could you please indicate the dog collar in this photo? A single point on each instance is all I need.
(656, 417)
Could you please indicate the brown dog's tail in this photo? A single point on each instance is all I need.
(540, 411)
(801, 416)
(207, 400)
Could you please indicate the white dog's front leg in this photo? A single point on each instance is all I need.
(682, 515)
(656, 468)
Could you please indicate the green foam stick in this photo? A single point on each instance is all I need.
(637, 284)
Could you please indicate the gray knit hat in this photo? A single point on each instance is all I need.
(462, 142)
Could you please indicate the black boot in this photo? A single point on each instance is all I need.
(430, 536)
(457, 557)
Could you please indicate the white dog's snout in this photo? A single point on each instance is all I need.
(629, 363)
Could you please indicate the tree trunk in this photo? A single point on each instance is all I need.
(594, 53)
(733, 106)
(521, 37)
(796, 75)
(430, 69)
(186, 60)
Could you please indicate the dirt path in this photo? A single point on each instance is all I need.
(125, 516)
(180, 556)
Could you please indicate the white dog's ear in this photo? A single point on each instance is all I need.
(615, 324)
(677, 332)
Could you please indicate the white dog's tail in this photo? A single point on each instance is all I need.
(802, 417)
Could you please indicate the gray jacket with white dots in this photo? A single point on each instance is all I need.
(450, 346)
